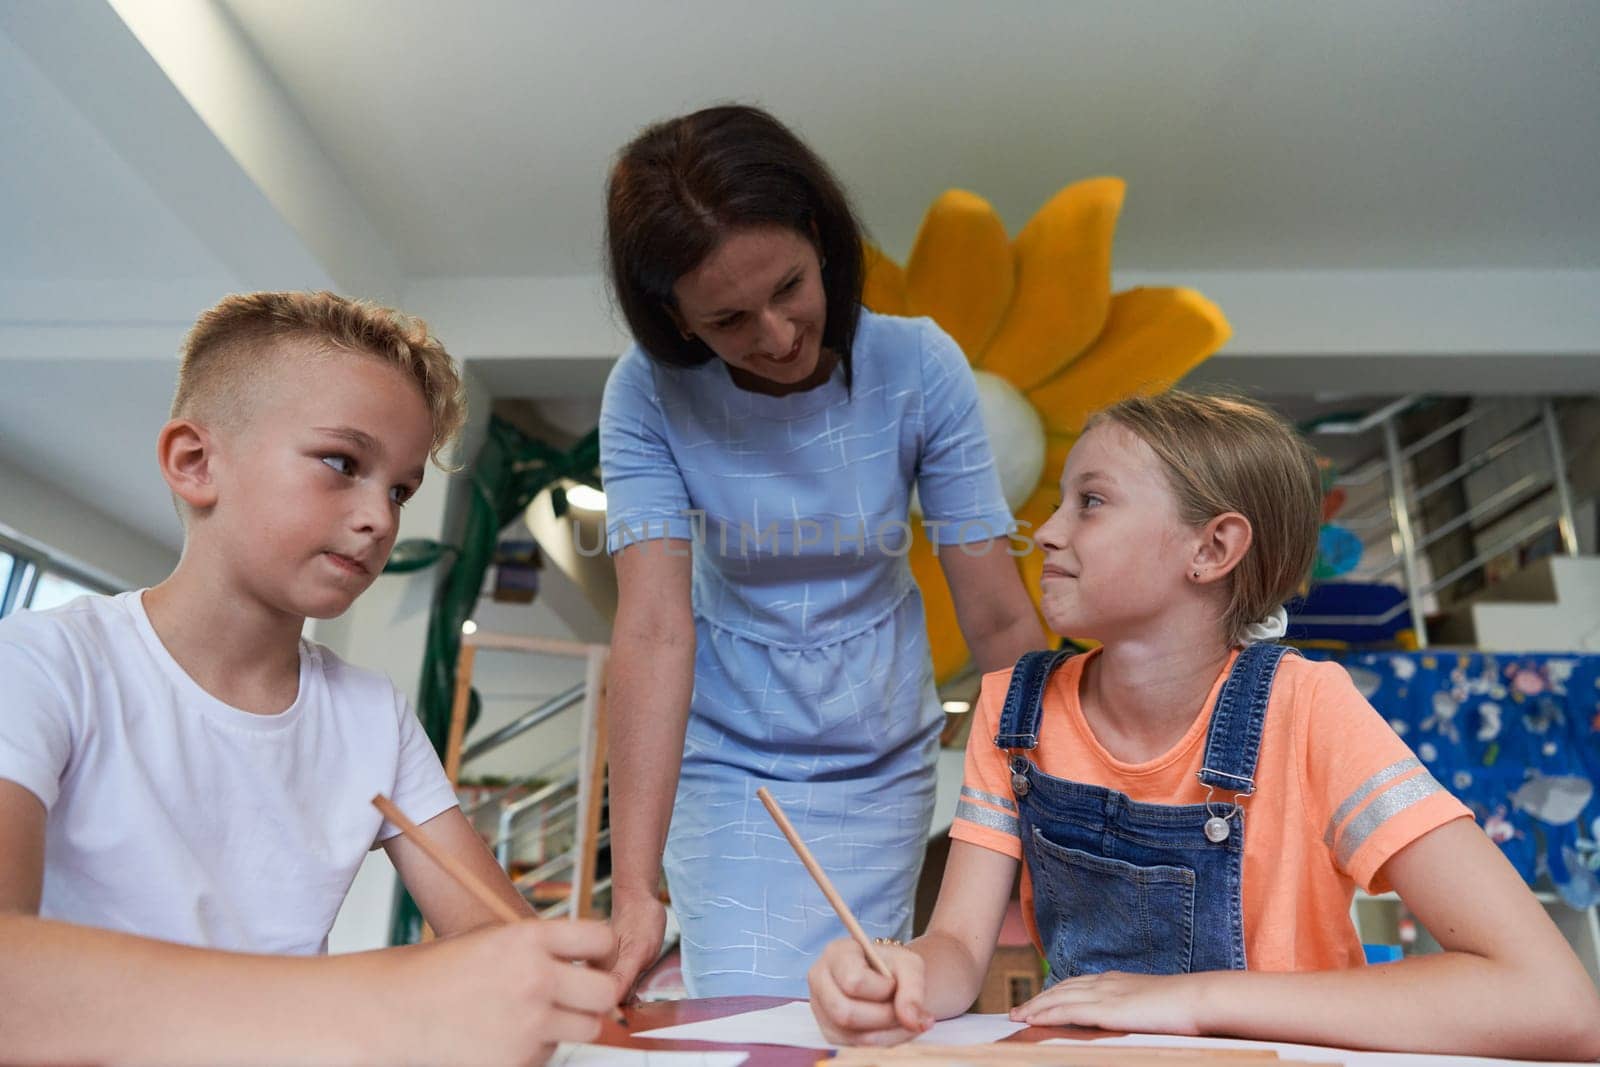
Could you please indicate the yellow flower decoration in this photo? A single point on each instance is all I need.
(1049, 343)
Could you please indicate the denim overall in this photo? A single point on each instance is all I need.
(1128, 886)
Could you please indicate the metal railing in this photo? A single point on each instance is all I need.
(1400, 511)
(545, 828)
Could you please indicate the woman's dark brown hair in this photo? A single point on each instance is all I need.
(683, 185)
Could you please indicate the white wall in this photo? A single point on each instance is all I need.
(1294, 332)
(43, 514)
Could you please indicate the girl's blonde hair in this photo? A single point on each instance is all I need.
(1224, 453)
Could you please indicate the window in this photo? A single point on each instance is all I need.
(33, 578)
(54, 590)
(19, 572)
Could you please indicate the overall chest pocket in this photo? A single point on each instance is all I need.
(1100, 914)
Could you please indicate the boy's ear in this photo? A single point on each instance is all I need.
(1223, 543)
(185, 451)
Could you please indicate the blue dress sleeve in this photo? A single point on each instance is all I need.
(957, 483)
(646, 497)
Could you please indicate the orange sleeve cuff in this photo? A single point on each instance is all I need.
(983, 837)
(1421, 818)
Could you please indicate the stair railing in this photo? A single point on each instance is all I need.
(566, 808)
(1400, 513)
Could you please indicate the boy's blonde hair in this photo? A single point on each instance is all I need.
(1224, 453)
(230, 346)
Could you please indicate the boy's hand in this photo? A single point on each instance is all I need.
(1138, 1003)
(505, 994)
(640, 922)
(855, 1005)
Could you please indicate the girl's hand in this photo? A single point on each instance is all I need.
(1142, 1003)
(855, 1005)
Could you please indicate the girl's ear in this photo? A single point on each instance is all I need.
(1222, 543)
(185, 451)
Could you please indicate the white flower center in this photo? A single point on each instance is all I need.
(1016, 435)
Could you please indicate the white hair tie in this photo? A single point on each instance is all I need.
(1274, 626)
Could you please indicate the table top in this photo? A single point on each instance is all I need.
(673, 1012)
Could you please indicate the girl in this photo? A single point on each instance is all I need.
(1194, 806)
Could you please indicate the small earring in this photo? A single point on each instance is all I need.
(1197, 574)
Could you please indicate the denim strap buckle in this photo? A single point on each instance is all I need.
(1011, 741)
(1207, 774)
(1020, 715)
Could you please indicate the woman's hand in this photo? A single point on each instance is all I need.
(639, 921)
(647, 710)
(1140, 1003)
(855, 1005)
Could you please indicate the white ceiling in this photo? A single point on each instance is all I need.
(1254, 133)
(70, 206)
(1328, 172)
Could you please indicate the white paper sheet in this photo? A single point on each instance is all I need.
(570, 1055)
(793, 1024)
(973, 1029)
(1312, 1053)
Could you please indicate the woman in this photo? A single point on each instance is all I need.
(759, 446)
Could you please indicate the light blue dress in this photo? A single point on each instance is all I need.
(812, 669)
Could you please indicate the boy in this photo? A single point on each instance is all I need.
(185, 783)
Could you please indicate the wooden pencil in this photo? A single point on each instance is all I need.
(464, 878)
(823, 883)
(447, 863)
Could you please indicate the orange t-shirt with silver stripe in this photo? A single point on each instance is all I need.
(1337, 794)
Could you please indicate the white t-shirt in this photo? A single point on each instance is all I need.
(176, 816)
